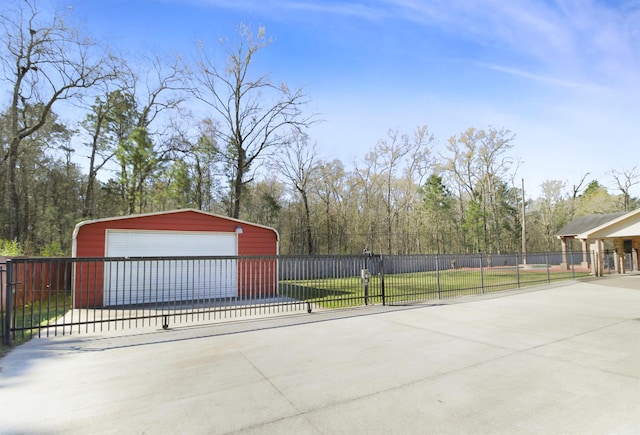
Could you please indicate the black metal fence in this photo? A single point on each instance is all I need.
(57, 296)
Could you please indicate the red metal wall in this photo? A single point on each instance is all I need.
(254, 240)
(35, 280)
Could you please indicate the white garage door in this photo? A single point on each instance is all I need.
(144, 280)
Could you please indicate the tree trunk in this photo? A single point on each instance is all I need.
(307, 222)
(238, 186)
(87, 209)
(12, 187)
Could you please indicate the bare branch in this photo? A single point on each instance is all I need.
(577, 188)
(257, 117)
(625, 180)
(44, 62)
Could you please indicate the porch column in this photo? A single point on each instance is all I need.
(585, 251)
(618, 255)
(621, 258)
(565, 262)
(597, 263)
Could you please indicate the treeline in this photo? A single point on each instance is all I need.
(408, 195)
(135, 147)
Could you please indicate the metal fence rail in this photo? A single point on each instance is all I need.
(4, 319)
(57, 296)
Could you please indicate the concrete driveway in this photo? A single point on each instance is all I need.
(562, 359)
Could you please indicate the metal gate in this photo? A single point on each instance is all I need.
(59, 296)
(4, 318)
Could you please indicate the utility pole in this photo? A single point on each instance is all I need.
(524, 229)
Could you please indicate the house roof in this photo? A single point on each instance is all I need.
(627, 225)
(583, 224)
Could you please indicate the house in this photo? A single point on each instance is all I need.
(167, 256)
(620, 231)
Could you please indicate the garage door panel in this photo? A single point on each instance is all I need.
(170, 244)
(139, 281)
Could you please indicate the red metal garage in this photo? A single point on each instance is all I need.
(166, 235)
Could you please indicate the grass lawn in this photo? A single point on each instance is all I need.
(343, 292)
(35, 314)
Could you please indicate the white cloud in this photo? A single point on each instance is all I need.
(563, 75)
(542, 78)
(581, 41)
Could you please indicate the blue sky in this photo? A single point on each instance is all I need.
(564, 76)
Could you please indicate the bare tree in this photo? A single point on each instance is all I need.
(103, 133)
(332, 192)
(158, 91)
(625, 179)
(44, 62)
(577, 188)
(552, 212)
(396, 154)
(365, 185)
(478, 162)
(162, 88)
(256, 116)
(299, 165)
(196, 147)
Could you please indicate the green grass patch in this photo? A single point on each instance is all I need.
(343, 292)
(41, 313)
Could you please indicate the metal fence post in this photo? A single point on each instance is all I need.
(518, 269)
(573, 267)
(366, 281)
(438, 274)
(8, 314)
(2, 302)
(382, 280)
(481, 273)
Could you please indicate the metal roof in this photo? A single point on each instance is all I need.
(182, 210)
(585, 223)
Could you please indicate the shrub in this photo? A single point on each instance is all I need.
(53, 249)
(10, 248)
